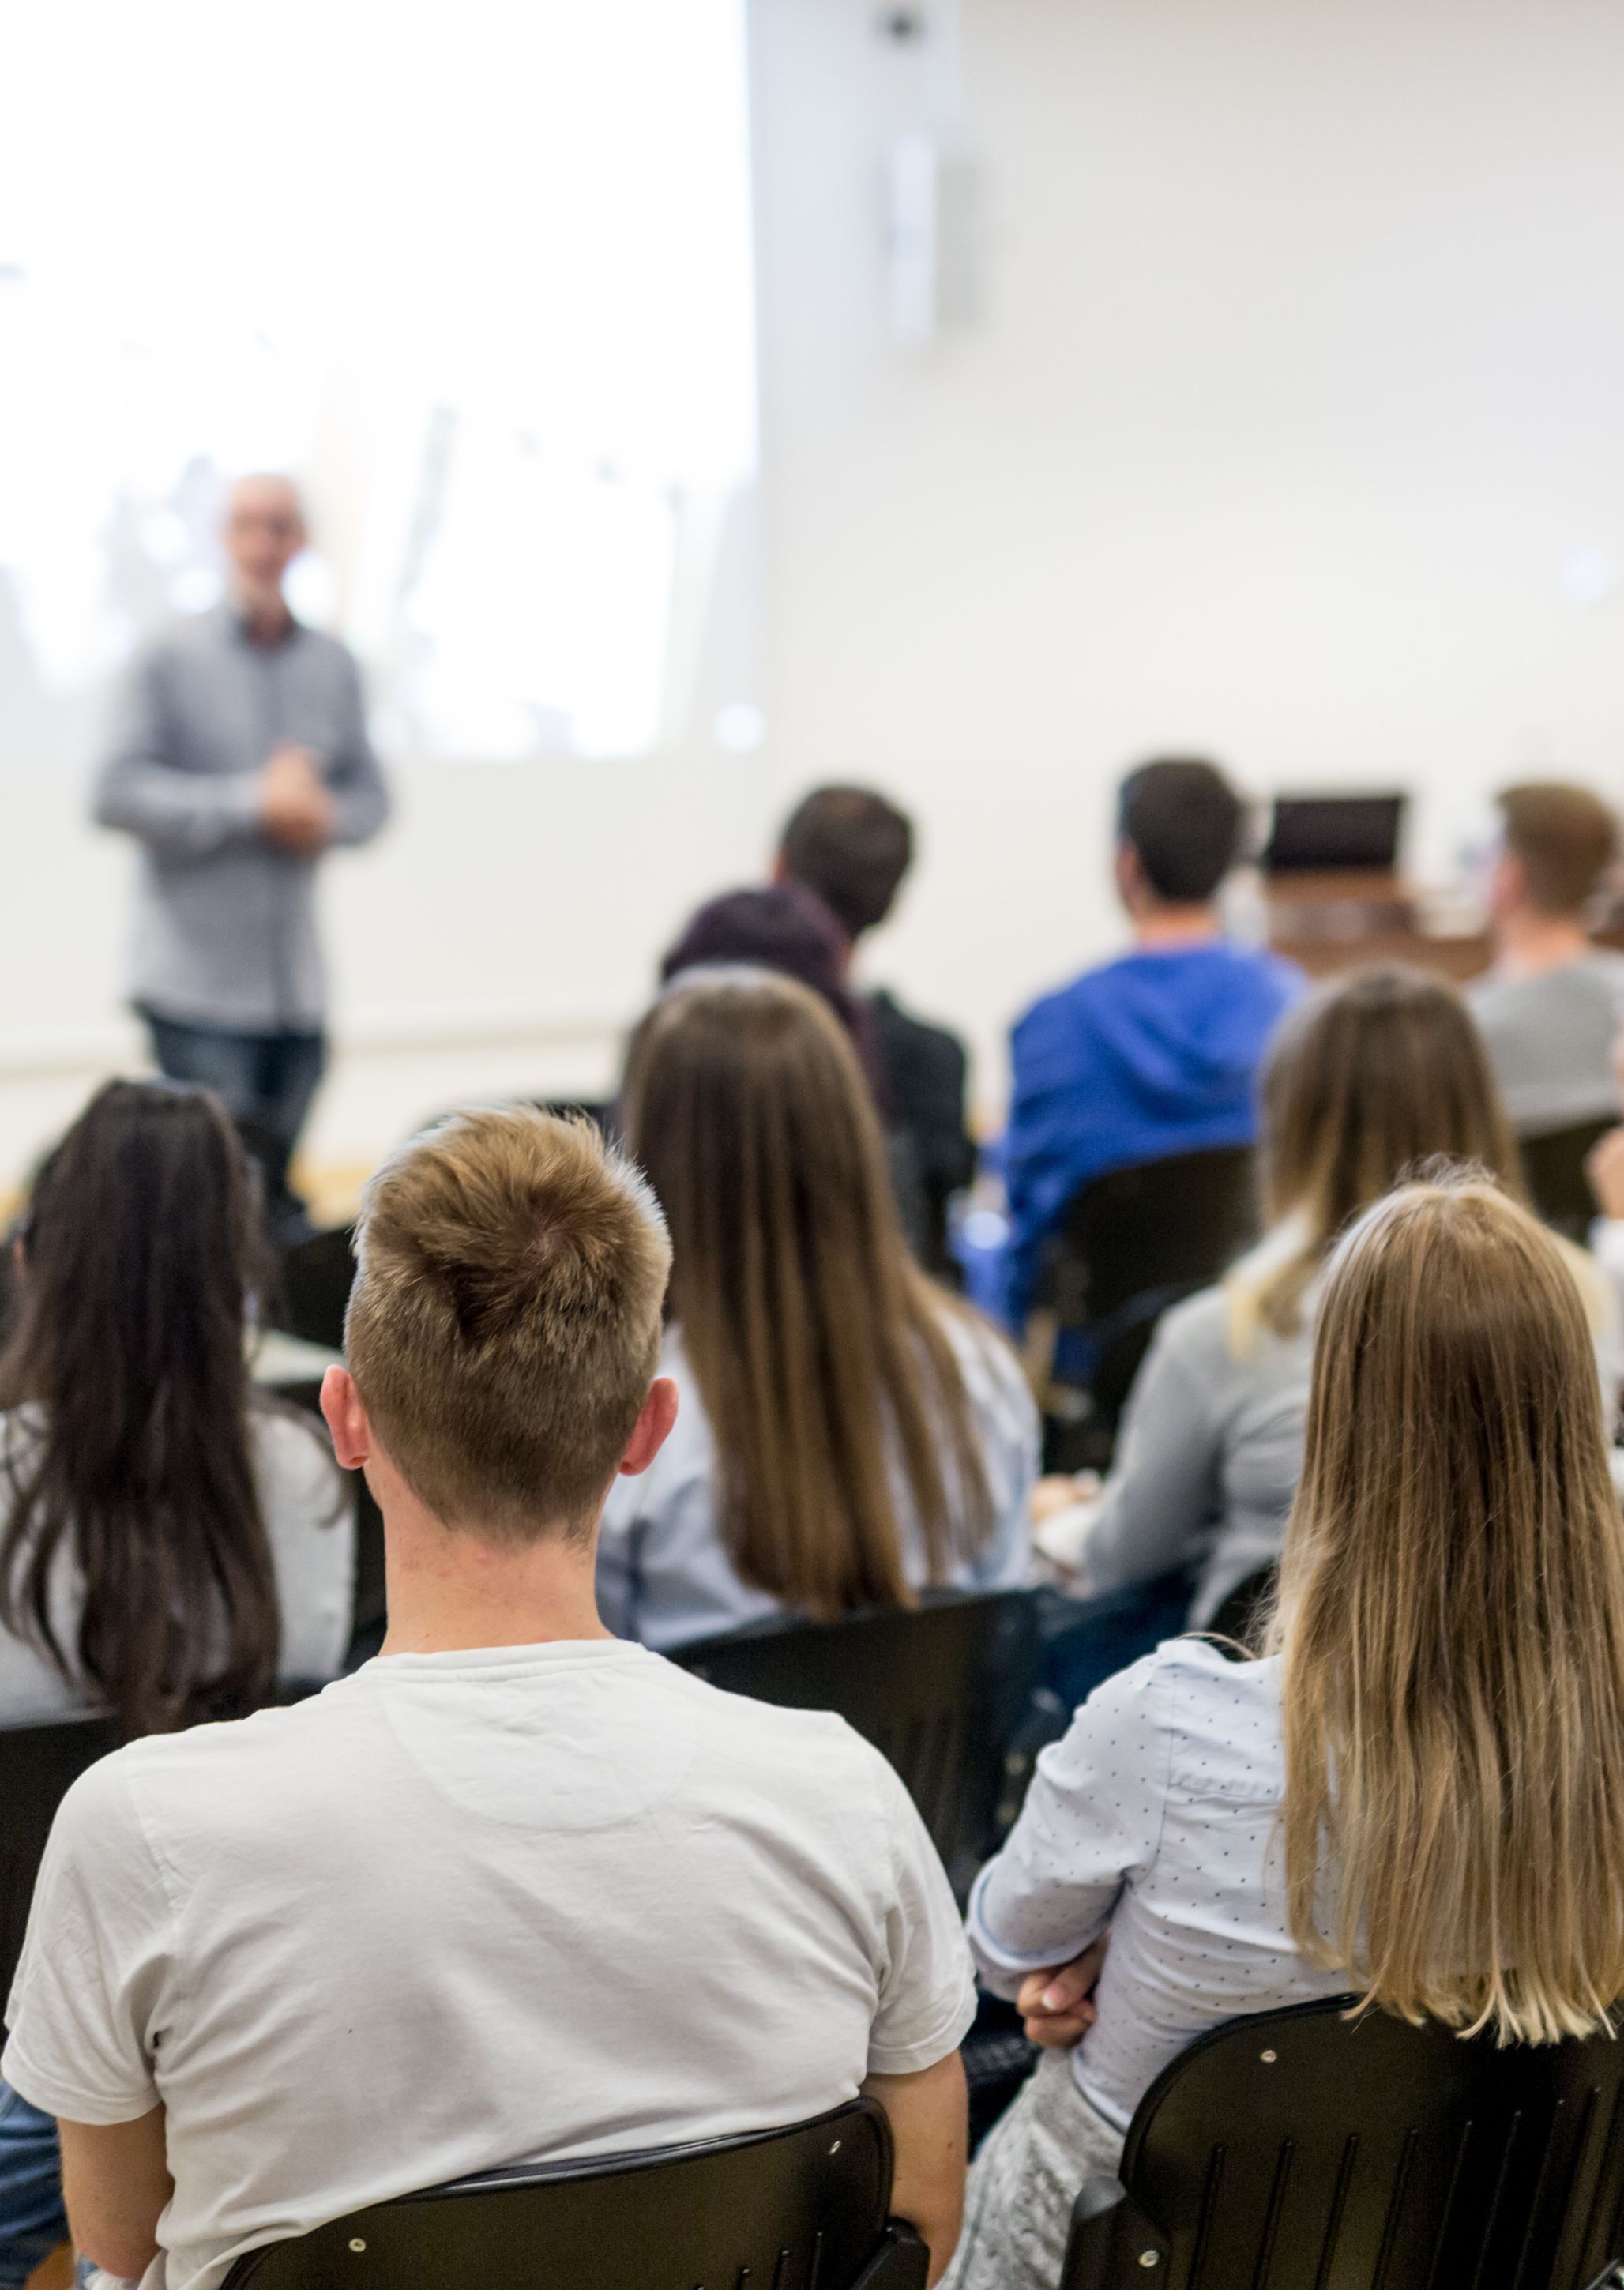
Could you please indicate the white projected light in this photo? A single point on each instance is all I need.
(480, 275)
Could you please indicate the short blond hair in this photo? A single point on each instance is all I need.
(505, 1323)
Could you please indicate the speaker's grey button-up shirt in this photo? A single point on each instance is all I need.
(224, 923)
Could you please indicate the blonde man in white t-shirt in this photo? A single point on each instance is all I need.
(516, 1889)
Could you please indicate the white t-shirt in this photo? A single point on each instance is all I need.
(467, 1909)
(1158, 1816)
(309, 1515)
(664, 1575)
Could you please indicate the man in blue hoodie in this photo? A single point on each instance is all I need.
(1154, 1053)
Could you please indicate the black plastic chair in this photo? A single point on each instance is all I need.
(1554, 1171)
(315, 1281)
(38, 1765)
(784, 2210)
(941, 1689)
(1306, 2152)
(1132, 1242)
(1244, 1613)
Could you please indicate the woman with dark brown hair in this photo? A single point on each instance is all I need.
(168, 1544)
(1373, 1077)
(848, 1434)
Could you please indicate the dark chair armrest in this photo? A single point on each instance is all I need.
(1109, 2233)
(901, 2263)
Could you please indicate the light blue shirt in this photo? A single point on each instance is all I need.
(1157, 1819)
(663, 1574)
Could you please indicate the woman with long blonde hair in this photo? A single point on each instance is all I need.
(1375, 1075)
(1416, 1797)
(847, 1433)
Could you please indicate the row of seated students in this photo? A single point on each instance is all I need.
(519, 1888)
(1157, 1052)
(845, 1432)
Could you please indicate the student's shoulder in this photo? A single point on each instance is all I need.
(1198, 1328)
(717, 1706)
(1190, 1689)
(1277, 980)
(785, 1747)
(154, 1790)
(1068, 1007)
(985, 1356)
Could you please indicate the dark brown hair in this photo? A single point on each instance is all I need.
(819, 1352)
(504, 1325)
(141, 1252)
(1566, 839)
(1373, 1076)
(852, 847)
(1184, 818)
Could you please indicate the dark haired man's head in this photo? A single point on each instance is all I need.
(1179, 832)
(853, 848)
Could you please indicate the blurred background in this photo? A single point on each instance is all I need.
(696, 400)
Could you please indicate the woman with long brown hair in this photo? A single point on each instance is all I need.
(168, 1544)
(1417, 1797)
(847, 1433)
(1369, 1079)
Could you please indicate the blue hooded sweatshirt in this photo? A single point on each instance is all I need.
(1153, 1054)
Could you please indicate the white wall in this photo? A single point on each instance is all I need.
(1299, 375)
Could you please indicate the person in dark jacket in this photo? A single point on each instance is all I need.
(853, 848)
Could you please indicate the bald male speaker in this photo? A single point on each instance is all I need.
(240, 755)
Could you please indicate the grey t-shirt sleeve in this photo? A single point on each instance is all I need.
(95, 1960)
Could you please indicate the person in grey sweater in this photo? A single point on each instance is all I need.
(240, 755)
(1378, 1073)
(1550, 1006)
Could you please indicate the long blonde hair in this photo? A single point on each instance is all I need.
(1451, 1622)
(1375, 1075)
(821, 1353)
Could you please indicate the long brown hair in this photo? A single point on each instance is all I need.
(1452, 1620)
(1368, 1079)
(819, 1352)
(140, 1249)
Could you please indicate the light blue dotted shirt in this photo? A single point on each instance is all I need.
(1157, 1816)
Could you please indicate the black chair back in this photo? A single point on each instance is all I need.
(1302, 2148)
(941, 1689)
(317, 1275)
(1554, 1171)
(1132, 1242)
(783, 2209)
(38, 1765)
(1245, 1612)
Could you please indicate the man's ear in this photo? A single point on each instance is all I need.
(1507, 881)
(352, 1434)
(651, 1430)
(1130, 876)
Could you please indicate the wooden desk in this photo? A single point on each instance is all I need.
(1329, 923)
